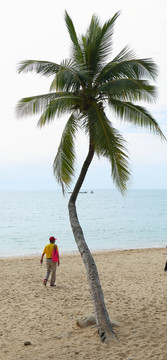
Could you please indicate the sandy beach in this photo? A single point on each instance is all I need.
(135, 290)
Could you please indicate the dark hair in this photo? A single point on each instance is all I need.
(52, 239)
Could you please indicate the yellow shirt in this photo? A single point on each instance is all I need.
(48, 250)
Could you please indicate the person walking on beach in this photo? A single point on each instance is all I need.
(52, 260)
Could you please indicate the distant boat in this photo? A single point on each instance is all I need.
(91, 192)
(80, 192)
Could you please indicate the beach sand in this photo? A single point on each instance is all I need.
(135, 290)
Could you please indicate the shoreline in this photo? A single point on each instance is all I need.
(134, 285)
(76, 252)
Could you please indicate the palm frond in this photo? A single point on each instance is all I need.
(77, 51)
(40, 67)
(105, 43)
(141, 68)
(109, 143)
(137, 115)
(63, 166)
(97, 43)
(124, 55)
(70, 77)
(89, 44)
(35, 104)
(126, 65)
(59, 106)
(128, 90)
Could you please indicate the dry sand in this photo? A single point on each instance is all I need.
(135, 290)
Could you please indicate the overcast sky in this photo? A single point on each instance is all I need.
(36, 30)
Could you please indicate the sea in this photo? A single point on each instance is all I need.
(109, 220)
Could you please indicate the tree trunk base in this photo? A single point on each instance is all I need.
(90, 320)
(107, 336)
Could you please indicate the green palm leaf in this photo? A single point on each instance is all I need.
(77, 51)
(137, 115)
(109, 143)
(141, 68)
(40, 67)
(63, 165)
(70, 77)
(125, 65)
(97, 43)
(58, 107)
(128, 89)
(105, 40)
(35, 104)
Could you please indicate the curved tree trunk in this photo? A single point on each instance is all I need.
(102, 319)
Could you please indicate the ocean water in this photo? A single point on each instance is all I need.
(108, 219)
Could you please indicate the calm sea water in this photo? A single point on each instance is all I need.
(109, 220)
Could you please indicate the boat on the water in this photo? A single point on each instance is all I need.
(80, 192)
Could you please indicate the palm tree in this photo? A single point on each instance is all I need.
(84, 85)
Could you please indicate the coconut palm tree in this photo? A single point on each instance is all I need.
(83, 86)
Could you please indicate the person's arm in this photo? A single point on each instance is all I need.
(58, 256)
(41, 261)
